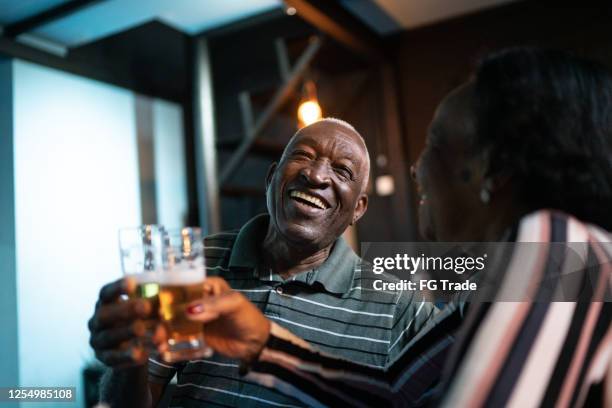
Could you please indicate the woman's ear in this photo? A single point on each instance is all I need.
(494, 179)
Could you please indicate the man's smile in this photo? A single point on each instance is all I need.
(309, 199)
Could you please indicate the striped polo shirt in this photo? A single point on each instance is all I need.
(326, 306)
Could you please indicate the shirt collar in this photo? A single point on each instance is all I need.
(336, 274)
(246, 252)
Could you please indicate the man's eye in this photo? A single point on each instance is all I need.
(301, 153)
(344, 172)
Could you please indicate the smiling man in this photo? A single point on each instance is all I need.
(294, 265)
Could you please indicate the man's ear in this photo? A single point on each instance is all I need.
(270, 173)
(360, 208)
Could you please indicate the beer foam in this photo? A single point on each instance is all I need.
(181, 276)
(145, 277)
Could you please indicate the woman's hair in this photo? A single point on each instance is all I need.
(545, 119)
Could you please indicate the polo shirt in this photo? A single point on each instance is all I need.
(326, 306)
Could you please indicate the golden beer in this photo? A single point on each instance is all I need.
(185, 337)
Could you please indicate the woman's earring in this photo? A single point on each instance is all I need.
(485, 192)
(485, 195)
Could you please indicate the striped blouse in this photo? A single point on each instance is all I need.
(521, 354)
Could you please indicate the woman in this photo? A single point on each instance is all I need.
(522, 152)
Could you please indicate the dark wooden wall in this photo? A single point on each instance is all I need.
(433, 60)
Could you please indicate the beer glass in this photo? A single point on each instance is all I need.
(143, 255)
(180, 283)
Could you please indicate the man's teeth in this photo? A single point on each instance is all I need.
(313, 200)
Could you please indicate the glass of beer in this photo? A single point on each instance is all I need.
(180, 283)
(144, 254)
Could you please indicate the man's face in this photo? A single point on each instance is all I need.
(316, 190)
(449, 176)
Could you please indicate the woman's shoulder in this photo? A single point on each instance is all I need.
(548, 225)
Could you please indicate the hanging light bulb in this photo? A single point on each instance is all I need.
(309, 110)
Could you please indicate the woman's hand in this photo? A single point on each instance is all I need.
(233, 326)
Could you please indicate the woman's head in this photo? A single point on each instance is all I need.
(531, 130)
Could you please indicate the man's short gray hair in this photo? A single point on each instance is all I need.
(342, 123)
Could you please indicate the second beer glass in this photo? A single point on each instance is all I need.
(143, 255)
(180, 283)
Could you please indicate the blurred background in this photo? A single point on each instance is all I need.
(115, 113)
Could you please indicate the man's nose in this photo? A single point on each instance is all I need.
(316, 174)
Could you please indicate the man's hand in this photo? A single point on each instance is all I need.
(119, 330)
(233, 326)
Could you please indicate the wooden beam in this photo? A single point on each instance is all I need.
(332, 19)
(54, 13)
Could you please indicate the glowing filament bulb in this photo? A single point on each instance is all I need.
(309, 112)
